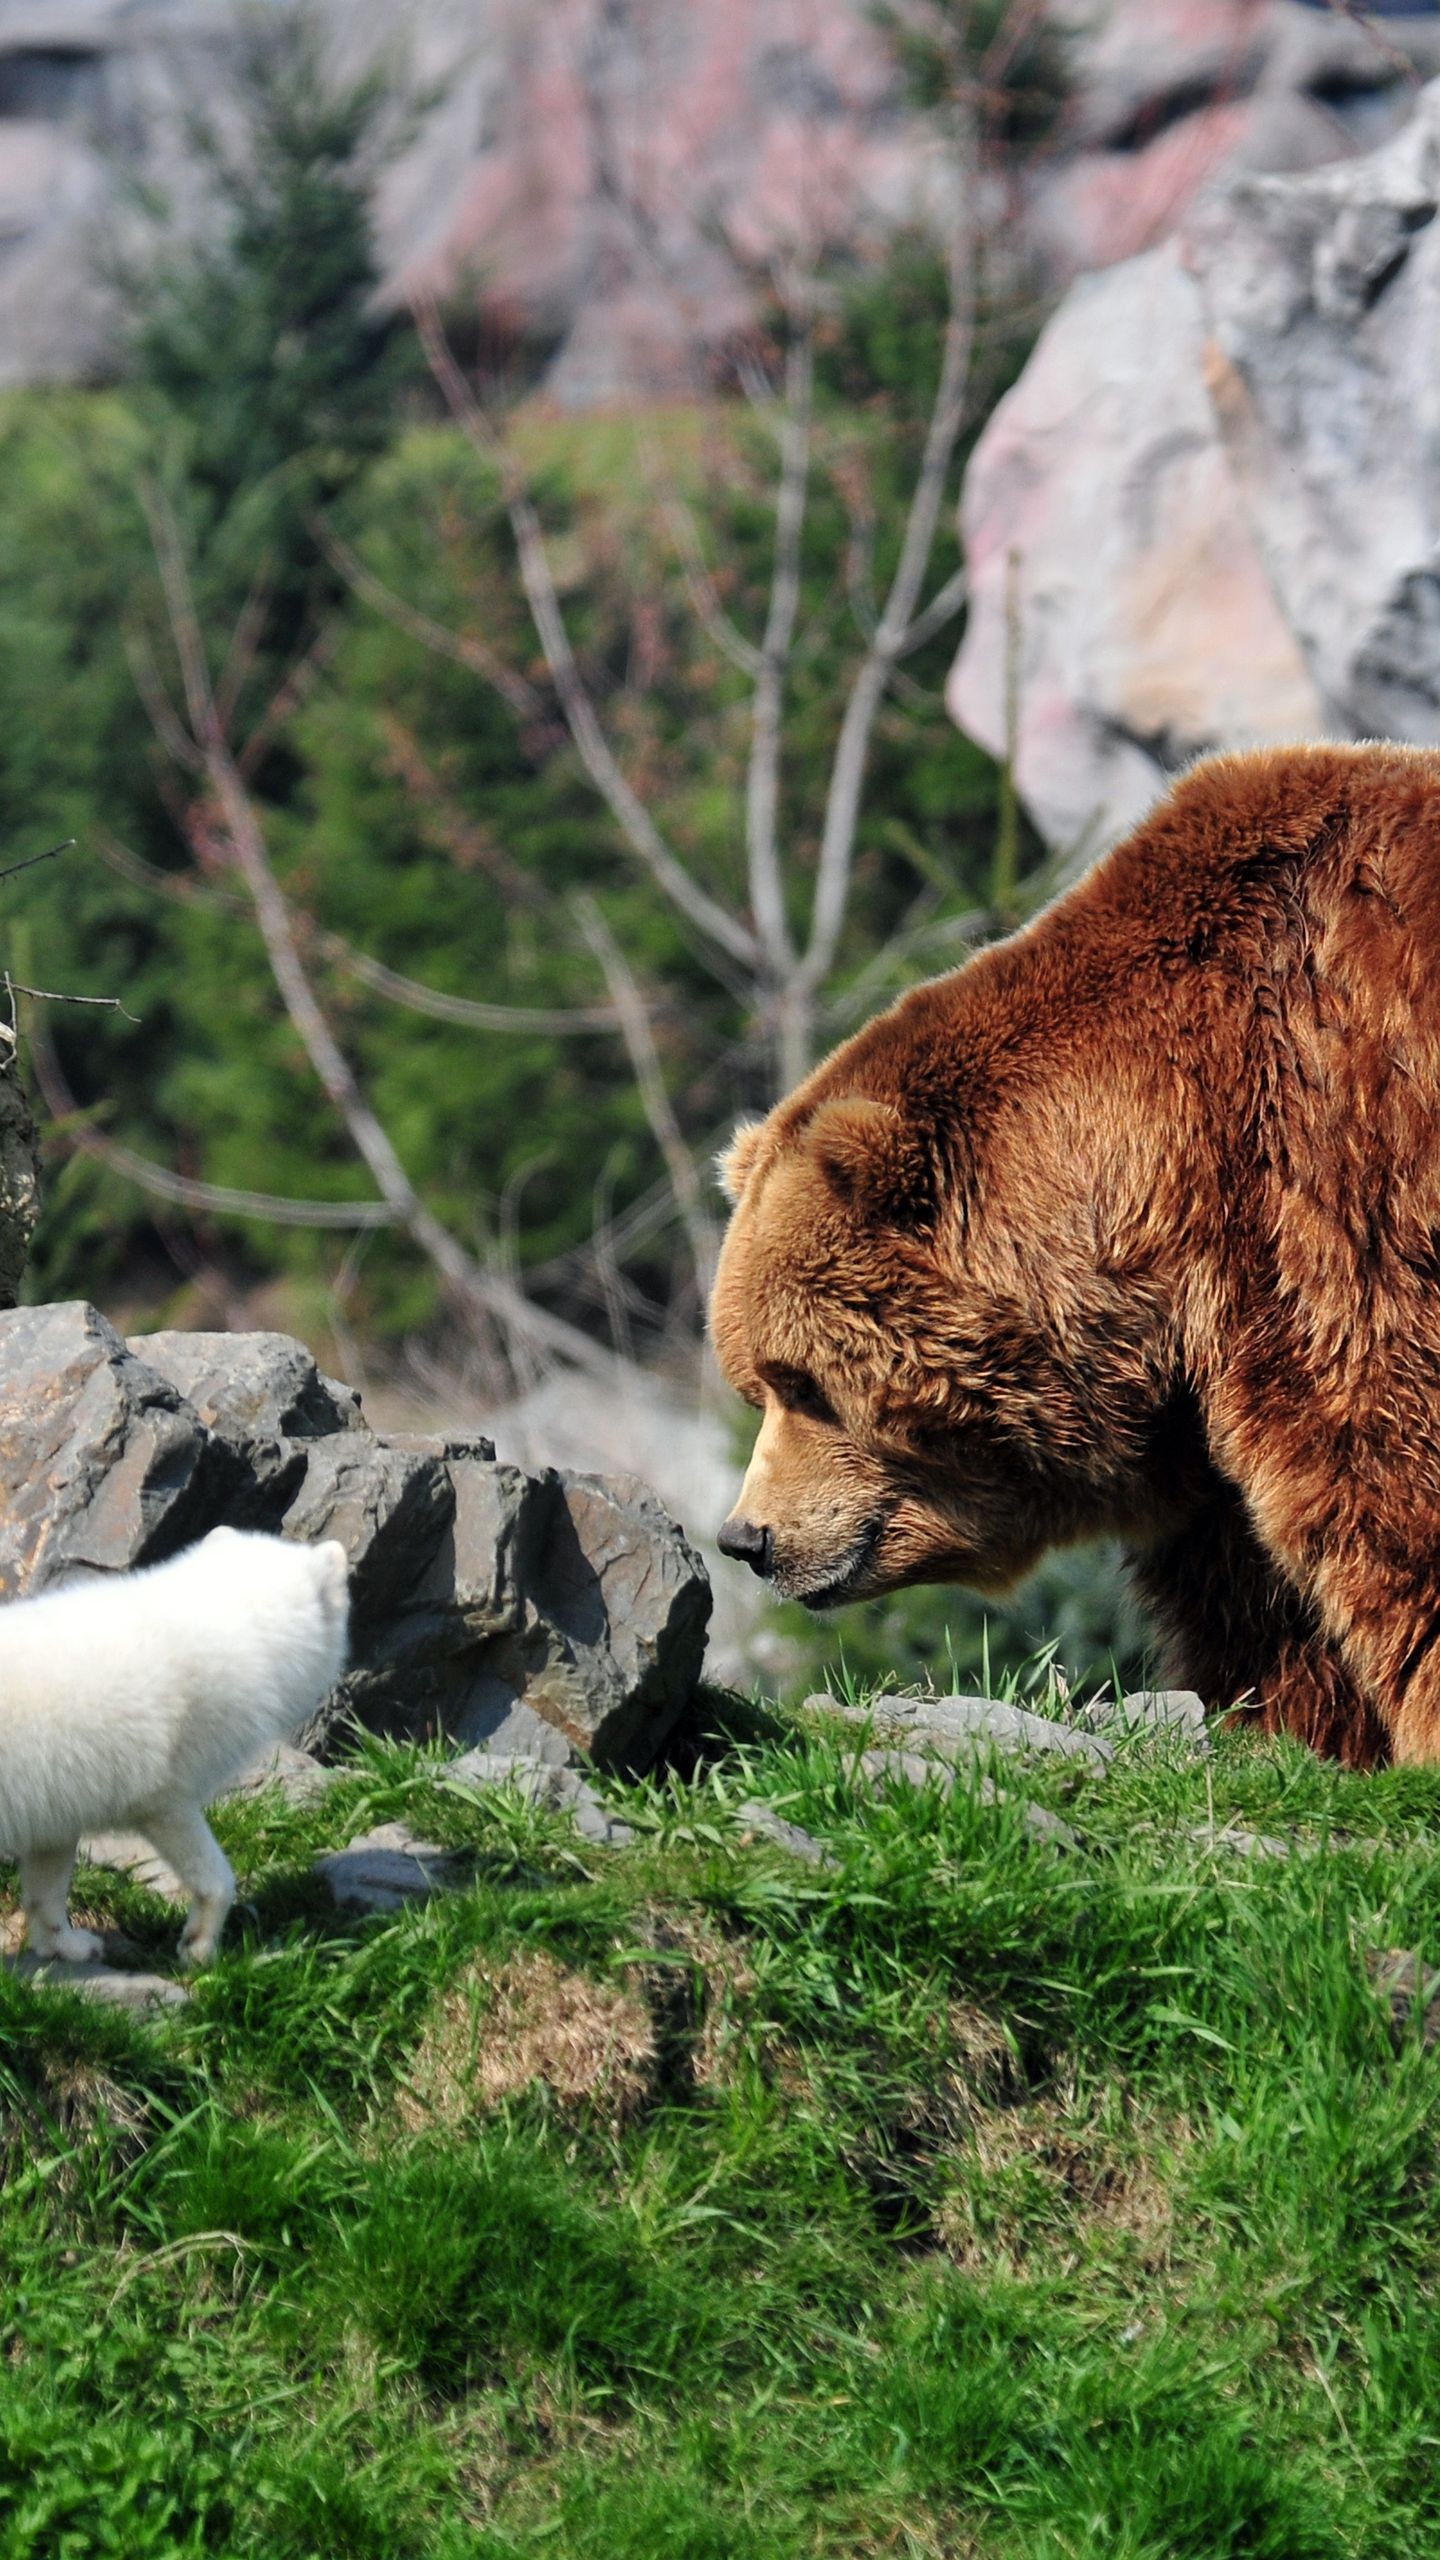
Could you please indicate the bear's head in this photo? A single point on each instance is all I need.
(952, 1371)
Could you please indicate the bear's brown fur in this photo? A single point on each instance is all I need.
(1132, 1226)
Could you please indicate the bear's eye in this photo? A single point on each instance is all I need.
(798, 1393)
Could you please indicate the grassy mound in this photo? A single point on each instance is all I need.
(968, 2194)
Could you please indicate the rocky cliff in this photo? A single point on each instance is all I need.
(1208, 514)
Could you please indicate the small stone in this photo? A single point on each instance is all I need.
(906, 1768)
(1177, 1714)
(1242, 1843)
(913, 1769)
(973, 1725)
(762, 1819)
(100, 1981)
(300, 1777)
(540, 1782)
(388, 1867)
(1406, 1985)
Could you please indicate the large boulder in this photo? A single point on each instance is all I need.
(1121, 620)
(1206, 516)
(552, 1615)
(1172, 97)
(102, 1463)
(609, 180)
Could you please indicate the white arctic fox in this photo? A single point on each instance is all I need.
(126, 1701)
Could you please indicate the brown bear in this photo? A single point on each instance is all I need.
(1132, 1226)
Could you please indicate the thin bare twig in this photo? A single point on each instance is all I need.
(179, 1188)
(847, 772)
(13, 868)
(470, 1013)
(702, 913)
(634, 1018)
(942, 607)
(461, 646)
(700, 585)
(49, 995)
(762, 789)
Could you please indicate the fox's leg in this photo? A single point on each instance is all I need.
(44, 1888)
(185, 1840)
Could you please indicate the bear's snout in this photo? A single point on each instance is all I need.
(740, 1539)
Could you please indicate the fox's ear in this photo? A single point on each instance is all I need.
(872, 1156)
(735, 1163)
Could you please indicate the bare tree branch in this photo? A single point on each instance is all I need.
(762, 792)
(159, 709)
(469, 1012)
(702, 912)
(700, 586)
(481, 1299)
(461, 646)
(945, 603)
(634, 1019)
(12, 869)
(847, 772)
(178, 1187)
(244, 642)
(287, 698)
(557, 1022)
(50, 995)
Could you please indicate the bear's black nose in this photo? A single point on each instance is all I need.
(748, 1545)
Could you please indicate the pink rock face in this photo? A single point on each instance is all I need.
(635, 169)
(1173, 97)
(1117, 593)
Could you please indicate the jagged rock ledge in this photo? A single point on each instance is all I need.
(558, 1616)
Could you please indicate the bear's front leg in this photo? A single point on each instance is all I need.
(1235, 1629)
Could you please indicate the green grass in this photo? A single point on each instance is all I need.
(967, 2195)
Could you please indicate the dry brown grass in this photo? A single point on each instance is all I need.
(1039, 2182)
(501, 2030)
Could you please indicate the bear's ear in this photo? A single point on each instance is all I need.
(735, 1163)
(872, 1156)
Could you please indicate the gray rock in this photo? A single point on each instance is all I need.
(388, 1507)
(1322, 295)
(101, 1981)
(262, 1394)
(1121, 621)
(626, 1603)
(1177, 1715)
(613, 183)
(763, 1822)
(388, 1867)
(563, 1616)
(102, 1464)
(1205, 515)
(972, 1725)
(1240, 1842)
(299, 1776)
(918, 1769)
(540, 1782)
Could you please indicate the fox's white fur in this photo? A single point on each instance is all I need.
(127, 1701)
